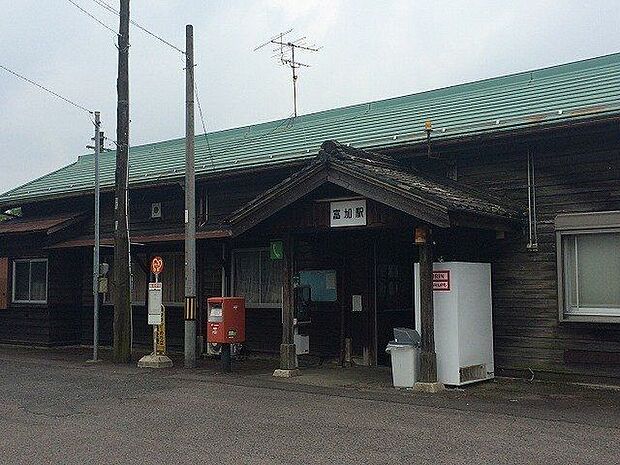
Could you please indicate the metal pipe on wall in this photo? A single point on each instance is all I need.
(532, 243)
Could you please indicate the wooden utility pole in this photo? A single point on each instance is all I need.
(287, 348)
(190, 205)
(428, 358)
(122, 293)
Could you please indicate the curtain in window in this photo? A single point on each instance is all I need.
(172, 278)
(247, 276)
(271, 279)
(22, 281)
(38, 281)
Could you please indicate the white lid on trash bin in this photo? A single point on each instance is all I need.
(406, 336)
(398, 346)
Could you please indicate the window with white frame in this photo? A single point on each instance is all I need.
(589, 266)
(30, 281)
(257, 277)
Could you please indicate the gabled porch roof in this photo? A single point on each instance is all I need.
(436, 201)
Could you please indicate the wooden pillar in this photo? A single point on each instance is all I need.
(287, 348)
(344, 296)
(428, 358)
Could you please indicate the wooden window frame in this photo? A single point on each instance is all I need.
(575, 224)
(47, 280)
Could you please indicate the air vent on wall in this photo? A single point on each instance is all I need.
(156, 210)
(473, 373)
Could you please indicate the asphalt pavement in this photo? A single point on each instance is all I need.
(59, 410)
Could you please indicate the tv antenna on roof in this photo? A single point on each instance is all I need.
(285, 52)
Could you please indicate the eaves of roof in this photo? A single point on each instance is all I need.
(379, 178)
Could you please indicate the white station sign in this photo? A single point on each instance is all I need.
(154, 303)
(347, 213)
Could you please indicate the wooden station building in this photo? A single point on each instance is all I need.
(520, 171)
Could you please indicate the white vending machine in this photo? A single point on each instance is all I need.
(463, 321)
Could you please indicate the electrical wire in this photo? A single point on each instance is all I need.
(286, 121)
(114, 11)
(111, 9)
(93, 17)
(30, 81)
(204, 126)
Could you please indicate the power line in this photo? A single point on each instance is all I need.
(204, 126)
(92, 17)
(111, 9)
(30, 81)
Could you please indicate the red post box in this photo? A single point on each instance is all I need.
(225, 320)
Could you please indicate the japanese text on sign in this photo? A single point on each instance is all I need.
(441, 280)
(154, 303)
(347, 213)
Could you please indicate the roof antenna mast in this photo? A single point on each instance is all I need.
(285, 52)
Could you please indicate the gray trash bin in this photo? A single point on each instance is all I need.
(404, 352)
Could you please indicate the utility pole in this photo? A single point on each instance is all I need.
(428, 357)
(190, 205)
(96, 248)
(122, 293)
(282, 51)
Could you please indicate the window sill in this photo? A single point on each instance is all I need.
(28, 305)
(574, 318)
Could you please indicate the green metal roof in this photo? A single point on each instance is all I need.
(554, 95)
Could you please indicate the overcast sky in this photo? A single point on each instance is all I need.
(373, 49)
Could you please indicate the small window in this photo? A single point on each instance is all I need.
(30, 281)
(589, 266)
(258, 278)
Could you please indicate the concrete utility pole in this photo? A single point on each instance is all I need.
(190, 205)
(96, 248)
(122, 292)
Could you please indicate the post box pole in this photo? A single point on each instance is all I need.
(226, 358)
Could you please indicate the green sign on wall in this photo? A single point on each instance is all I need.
(276, 250)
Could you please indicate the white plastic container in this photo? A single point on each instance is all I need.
(405, 363)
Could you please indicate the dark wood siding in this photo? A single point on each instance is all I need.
(231, 193)
(578, 172)
(23, 323)
(65, 277)
(4, 283)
